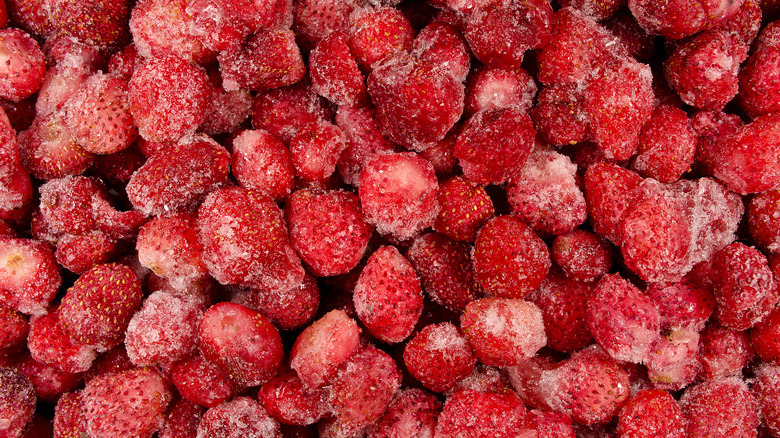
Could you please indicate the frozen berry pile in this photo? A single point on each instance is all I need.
(389, 218)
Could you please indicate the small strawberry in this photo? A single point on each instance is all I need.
(17, 401)
(724, 352)
(413, 412)
(178, 178)
(202, 383)
(334, 71)
(364, 138)
(98, 117)
(465, 207)
(29, 275)
(138, 410)
(162, 28)
(682, 304)
(30, 15)
(439, 356)
(287, 398)
(765, 335)
(316, 19)
(582, 255)
(267, 59)
(316, 149)
(651, 413)
(69, 418)
(442, 44)
(22, 71)
(282, 111)
(223, 24)
(239, 417)
(49, 382)
(550, 424)
(13, 331)
(66, 204)
(49, 151)
(388, 296)
(101, 23)
(78, 253)
(377, 33)
(559, 115)
(97, 308)
(764, 220)
(722, 407)
(609, 190)
(182, 419)
(227, 110)
(766, 388)
(241, 342)
(483, 415)
(169, 246)
(489, 88)
(667, 145)
(289, 309)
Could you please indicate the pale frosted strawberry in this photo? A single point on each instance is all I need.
(650, 413)
(377, 33)
(262, 162)
(439, 356)
(161, 28)
(413, 412)
(440, 43)
(169, 247)
(267, 59)
(13, 330)
(489, 88)
(29, 275)
(17, 401)
(483, 414)
(49, 151)
(239, 417)
(334, 71)
(22, 72)
(289, 309)
(287, 398)
(49, 382)
(202, 383)
(722, 407)
(49, 344)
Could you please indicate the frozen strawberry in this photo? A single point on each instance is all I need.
(13, 331)
(651, 413)
(162, 28)
(563, 303)
(123, 62)
(227, 111)
(720, 408)
(50, 345)
(509, 259)
(618, 101)
(745, 23)
(315, 149)
(582, 255)
(742, 160)
(483, 414)
(60, 82)
(137, 410)
(163, 330)
(200, 382)
(97, 308)
(287, 398)
(179, 178)
(181, 420)
(597, 10)
(680, 18)
(444, 269)
(442, 154)
(282, 111)
(673, 361)
(417, 102)
(578, 46)
(364, 138)
(723, 352)
(22, 73)
(377, 33)
(17, 402)
(98, 116)
(744, 288)
(764, 220)
(500, 32)
(764, 337)
(398, 193)
(118, 167)
(758, 90)
(30, 16)
(656, 234)
(489, 88)
(245, 241)
(549, 424)
(289, 309)
(262, 162)
(327, 229)
(388, 296)
(79, 253)
(49, 382)
(169, 246)
(494, 144)
(29, 275)
(240, 417)
(66, 204)
(268, 59)
(361, 391)
(69, 418)
(503, 331)
(241, 342)
(559, 115)
(485, 379)
(100, 23)
(114, 360)
(635, 40)
(49, 151)
(439, 356)
(114, 223)
(316, 19)
(609, 191)
(15, 185)
(766, 389)
(413, 412)
(666, 145)
(168, 98)
(682, 304)
(703, 70)
(545, 195)
(441, 44)
(323, 346)
(334, 71)
(622, 320)
(465, 207)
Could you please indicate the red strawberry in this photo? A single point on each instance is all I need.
(289, 309)
(49, 382)
(315, 149)
(202, 383)
(268, 59)
(651, 413)
(287, 398)
(509, 259)
(117, 168)
(137, 410)
(559, 115)
(766, 388)
(483, 415)
(439, 43)
(489, 88)
(316, 19)
(223, 24)
(48, 150)
(17, 401)
(66, 204)
(182, 419)
(666, 145)
(388, 296)
(69, 418)
(609, 190)
(582, 255)
(764, 337)
(758, 91)
(364, 138)
(723, 352)
(722, 407)
(245, 241)
(465, 207)
(178, 178)
(98, 117)
(30, 15)
(239, 417)
(323, 346)
(168, 98)
(377, 33)
(162, 28)
(549, 424)
(49, 344)
(413, 412)
(29, 275)
(59, 83)
(682, 304)
(334, 71)
(97, 308)
(241, 342)
(13, 331)
(263, 163)
(22, 73)
(227, 110)
(764, 220)
(169, 246)
(78, 253)
(282, 111)
(100, 23)
(439, 356)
